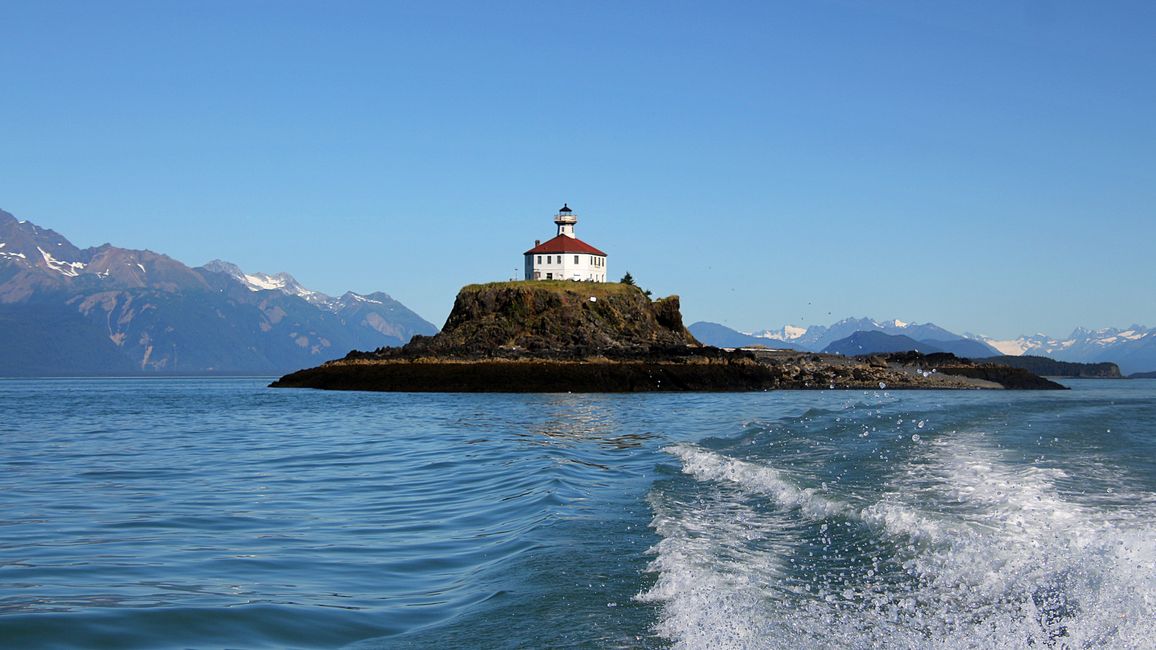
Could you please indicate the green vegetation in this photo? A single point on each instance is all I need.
(629, 279)
(596, 289)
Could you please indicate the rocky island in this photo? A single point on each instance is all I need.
(563, 336)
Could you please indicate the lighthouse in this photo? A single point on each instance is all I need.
(565, 257)
(565, 219)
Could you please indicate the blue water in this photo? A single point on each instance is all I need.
(152, 513)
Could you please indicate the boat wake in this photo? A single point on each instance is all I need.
(962, 546)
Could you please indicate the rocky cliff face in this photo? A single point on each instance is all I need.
(551, 318)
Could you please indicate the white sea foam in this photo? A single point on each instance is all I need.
(710, 584)
(708, 466)
(991, 555)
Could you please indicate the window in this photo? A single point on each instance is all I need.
(549, 276)
(548, 259)
(575, 259)
(539, 259)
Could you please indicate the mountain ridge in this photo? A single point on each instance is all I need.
(1132, 348)
(164, 316)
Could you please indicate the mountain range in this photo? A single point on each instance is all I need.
(109, 310)
(876, 342)
(1133, 349)
(848, 336)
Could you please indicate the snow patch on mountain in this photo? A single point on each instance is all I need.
(263, 282)
(70, 269)
(1011, 347)
(287, 284)
(282, 282)
(785, 333)
(10, 254)
(361, 298)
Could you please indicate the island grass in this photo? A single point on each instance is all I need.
(596, 289)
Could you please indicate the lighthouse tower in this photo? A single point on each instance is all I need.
(565, 257)
(566, 220)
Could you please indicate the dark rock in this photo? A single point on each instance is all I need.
(1053, 368)
(948, 364)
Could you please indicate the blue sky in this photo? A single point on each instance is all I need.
(988, 166)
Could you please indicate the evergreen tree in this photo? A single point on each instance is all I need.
(627, 279)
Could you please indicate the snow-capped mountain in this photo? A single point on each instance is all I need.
(1132, 348)
(784, 333)
(282, 282)
(107, 309)
(818, 337)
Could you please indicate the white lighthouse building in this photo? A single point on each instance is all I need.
(565, 257)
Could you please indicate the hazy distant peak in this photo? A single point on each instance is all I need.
(357, 297)
(221, 266)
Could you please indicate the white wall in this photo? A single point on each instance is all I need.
(563, 267)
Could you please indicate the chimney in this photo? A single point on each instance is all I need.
(537, 242)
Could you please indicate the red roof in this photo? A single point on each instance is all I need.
(564, 244)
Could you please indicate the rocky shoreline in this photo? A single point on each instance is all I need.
(703, 370)
(578, 337)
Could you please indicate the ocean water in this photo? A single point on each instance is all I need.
(206, 513)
